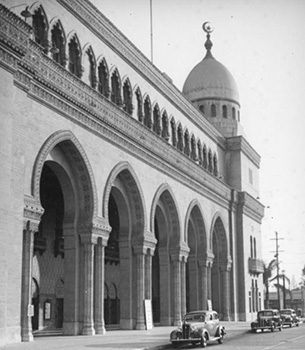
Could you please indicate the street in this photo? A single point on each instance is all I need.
(288, 339)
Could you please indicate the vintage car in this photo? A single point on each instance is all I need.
(198, 327)
(289, 317)
(267, 319)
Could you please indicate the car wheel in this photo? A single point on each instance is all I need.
(203, 341)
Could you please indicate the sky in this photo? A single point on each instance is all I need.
(262, 43)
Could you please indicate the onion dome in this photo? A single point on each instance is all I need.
(212, 89)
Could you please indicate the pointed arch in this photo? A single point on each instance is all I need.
(186, 142)
(79, 162)
(115, 79)
(125, 173)
(103, 77)
(215, 164)
(58, 39)
(40, 27)
(89, 63)
(174, 131)
(156, 119)
(165, 131)
(210, 161)
(218, 229)
(204, 156)
(180, 144)
(165, 194)
(139, 104)
(127, 96)
(147, 112)
(75, 54)
(199, 152)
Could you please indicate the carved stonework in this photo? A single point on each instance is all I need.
(32, 213)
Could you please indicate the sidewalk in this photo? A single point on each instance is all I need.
(154, 339)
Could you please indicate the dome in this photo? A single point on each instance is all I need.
(210, 79)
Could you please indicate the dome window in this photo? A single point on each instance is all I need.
(213, 111)
(224, 111)
(233, 113)
(201, 109)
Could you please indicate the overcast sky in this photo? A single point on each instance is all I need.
(262, 43)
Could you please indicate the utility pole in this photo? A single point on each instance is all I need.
(277, 266)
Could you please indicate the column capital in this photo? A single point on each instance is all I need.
(92, 231)
(207, 260)
(144, 243)
(181, 252)
(32, 212)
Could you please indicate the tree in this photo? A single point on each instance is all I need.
(266, 277)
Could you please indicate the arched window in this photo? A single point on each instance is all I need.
(193, 148)
(40, 28)
(238, 113)
(174, 132)
(127, 95)
(180, 138)
(58, 44)
(215, 165)
(224, 111)
(165, 132)
(116, 88)
(233, 113)
(186, 143)
(201, 109)
(139, 105)
(103, 79)
(89, 68)
(210, 161)
(147, 113)
(204, 157)
(157, 120)
(75, 57)
(213, 111)
(254, 248)
(199, 152)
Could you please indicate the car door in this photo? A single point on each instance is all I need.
(210, 324)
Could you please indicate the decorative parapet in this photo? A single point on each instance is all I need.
(256, 266)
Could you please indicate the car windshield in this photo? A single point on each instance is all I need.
(265, 313)
(194, 317)
(285, 312)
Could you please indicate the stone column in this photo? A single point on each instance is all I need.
(204, 284)
(183, 286)
(99, 276)
(88, 326)
(140, 288)
(27, 266)
(226, 302)
(177, 290)
(148, 275)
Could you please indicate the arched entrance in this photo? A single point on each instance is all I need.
(124, 254)
(220, 275)
(166, 262)
(62, 185)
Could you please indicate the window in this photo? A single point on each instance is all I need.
(157, 120)
(58, 43)
(74, 57)
(186, 143)
(180, 138)
(147, 113)
(127, 95)
(210, 161)
(40, 28)
(251, 247)
(165, 133)
(139, 105)
(250, 176)
(201, 109)
(213, 111)
(174, 133)
(193, 148)
(215, 165)
(199, 149)
(116, 88)
(204, 157)
(89, 68)
(233, 113)
(224, 111)
(103, 79)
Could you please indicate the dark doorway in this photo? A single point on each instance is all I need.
(59, 313)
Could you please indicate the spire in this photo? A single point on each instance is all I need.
(208, 28)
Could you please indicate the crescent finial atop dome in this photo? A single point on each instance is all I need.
(208, 28)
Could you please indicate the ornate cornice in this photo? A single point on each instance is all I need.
(97, 23)
(32, 213)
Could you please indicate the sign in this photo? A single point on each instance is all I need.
(30, 310)
(47, 310)
(210, 305)
(148, 314)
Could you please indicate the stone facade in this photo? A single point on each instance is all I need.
(114, 188)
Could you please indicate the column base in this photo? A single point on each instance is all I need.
(27, 337)
(100, 329)
(72, 328)
(88, 330)
(140, 326)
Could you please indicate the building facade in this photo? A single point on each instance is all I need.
(115, 186)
